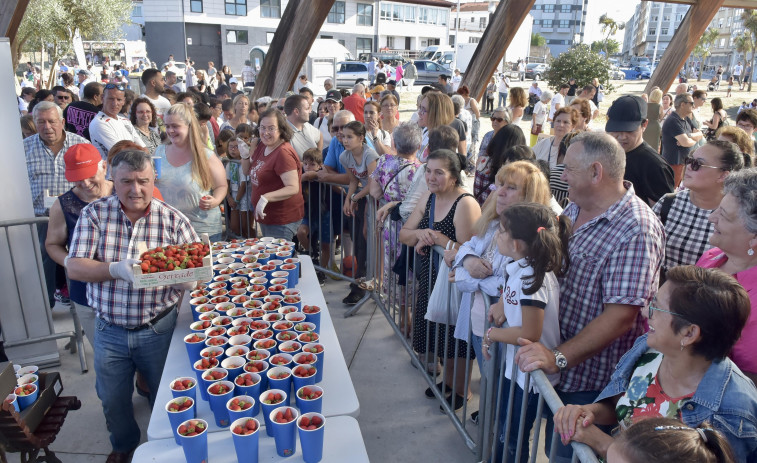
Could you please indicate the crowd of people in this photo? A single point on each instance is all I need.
(621, 260)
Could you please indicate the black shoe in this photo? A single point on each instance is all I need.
(321, 278)
(353, 297)
(459, 402)
(430, 393)
(474, 417)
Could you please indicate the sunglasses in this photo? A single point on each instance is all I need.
(280, 108)
(336, 128)
(696, 164)
(497, 119)
(121, 87)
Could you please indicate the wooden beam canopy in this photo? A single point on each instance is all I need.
(491, 48)
(297, 30)
(692, 27)
(747, 4)
(11, 13)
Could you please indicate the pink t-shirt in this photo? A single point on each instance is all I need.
(743, 351)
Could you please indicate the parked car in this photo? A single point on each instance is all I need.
(535, 70)
(181, 70)
(644, 72)
(616, 73)
(349, 71)
(429, 71)
(385, 57)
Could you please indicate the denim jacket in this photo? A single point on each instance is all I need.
(725, 398)
(468, 285)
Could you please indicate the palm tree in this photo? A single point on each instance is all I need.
(702, 48)
(749, 17)
(743, 44)
(610, 27)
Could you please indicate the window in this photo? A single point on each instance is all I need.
(652, 31)
(546, 23)
(364, 45)
(336, 14)
(666, 17)
(482, 22)
(342, 42)
(443, 17)
(236, 36)
(195, 6)
(473, 39)
(269, 37)
(654, 19)
(270, 9)
(423, 16)
(136, 10)
(386, 12)
(564, 23)
(433, 15)
(679, 17)
(451, 40)
(398, 13)
(390, 42)
(722, 43)
(549, 8)
(236, 7)
(409, 14)
(566, 8)
(664, 31)
(364, 15)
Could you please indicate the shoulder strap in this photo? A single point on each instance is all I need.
(667, 202)
(395, 176)
(431, 211)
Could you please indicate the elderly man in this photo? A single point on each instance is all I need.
(679, 135)
(84, 77)
(649, 174)
(355, 102)
(328, 84)
(109, 126)
(305, 136)
(79, 114)
(154, 85)
(534, 90)
(45, 166)
(615, 255)
(134, 326)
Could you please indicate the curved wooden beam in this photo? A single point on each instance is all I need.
(683, 42)
(11, 13)
(295, 34)
(505, 22)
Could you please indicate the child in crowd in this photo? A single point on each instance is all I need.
(222, 142)
(537, 243)
(246, 132)
(663, 440)
(238, 197)
(228, 111)
(316, 213)
(730, 86)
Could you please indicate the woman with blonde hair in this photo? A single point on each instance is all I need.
(518, 103)
(436, 109)
(737, 135)
(241, 109)
(192, 178)
(654, 114)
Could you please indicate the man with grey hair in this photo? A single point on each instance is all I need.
(679, 135)
(328, 84)
(355, 103)
(133, 326)
(46, 169)
(172, 82)
(615, 255)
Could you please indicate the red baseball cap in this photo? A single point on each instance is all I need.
(82, 161)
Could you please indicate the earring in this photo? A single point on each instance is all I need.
(750, 252)
(682, 346)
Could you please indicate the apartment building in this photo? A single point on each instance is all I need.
(652, 25)
(560, 22)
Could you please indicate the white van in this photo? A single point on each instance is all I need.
(439, 53)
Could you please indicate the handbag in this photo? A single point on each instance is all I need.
(444, 302)
(536, 129)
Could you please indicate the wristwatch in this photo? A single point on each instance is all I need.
(560, 360)
(352, 197)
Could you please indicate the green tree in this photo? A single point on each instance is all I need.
(538, 40)
(609, 46)
(749, 17)
(703, 46)
(53, 24)
(610, 27)
(581, 64)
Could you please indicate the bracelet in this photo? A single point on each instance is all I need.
(487, 338)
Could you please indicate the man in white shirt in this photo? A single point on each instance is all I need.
(302, 81)
(737, 72)
(558, 101)
(305, 136)
(534, 90)
(588, 93)
(248, 74)
(154, 86)
(190, 72)
(84, 78)
(502, 88)
(456, 79)
(521, 70)
(109, 127)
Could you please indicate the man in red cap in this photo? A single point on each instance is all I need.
(86, 170)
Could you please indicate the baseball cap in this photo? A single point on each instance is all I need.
(233, 80)
(83, 72)
(82, 161)
(626, 114)
(333, 95)
(391, 82)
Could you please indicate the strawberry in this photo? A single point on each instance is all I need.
(193, 428)
(179, 405)
(308, 336)
(304, 371)
(273, 398)
(309, 394)
(25, 390)
(195, 338)
(311, 309)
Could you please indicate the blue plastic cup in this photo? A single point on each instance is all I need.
(290, 347)
(319, 359)
(311, 440)
(205, 383)
(195, 447)
(199, 372)
(12, 401)
(300, 381)
(240, 340)
(214, 351)
(307, 405)
(26, 400)
(251, 391)
(157, 163)
(285, 434)
(285, 384)
(190, 392)
(281, 326)
(262, 367)
(246, 446)
(176, 418)
(280, 360)
(234, 366)
(236, 414)
(258, 345)
(268, 408)
(314, 318)
(194, 348)
(218, 402)
(293, 274)
(29, 378)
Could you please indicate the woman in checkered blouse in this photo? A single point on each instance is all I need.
(686, 226)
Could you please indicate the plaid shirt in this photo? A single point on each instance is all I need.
(106, 234)
(46, 169)
(614, 259)
(687, 230)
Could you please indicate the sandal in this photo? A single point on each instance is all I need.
(366, 284)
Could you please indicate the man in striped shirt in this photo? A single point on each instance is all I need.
(134, 326)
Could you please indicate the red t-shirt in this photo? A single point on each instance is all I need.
(265, 176)
(354, 104)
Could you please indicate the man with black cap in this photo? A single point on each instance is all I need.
(391, 86)
(650, 175)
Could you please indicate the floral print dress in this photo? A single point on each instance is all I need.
(644, 397)
(394, 188)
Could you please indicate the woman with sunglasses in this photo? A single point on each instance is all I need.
(680, 369)
(734, 236)
(684, 214)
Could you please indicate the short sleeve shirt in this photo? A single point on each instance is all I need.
(651, 176)
(303, 140)
(359, 170)
(687, 230)
(265, 176)
(673, 126)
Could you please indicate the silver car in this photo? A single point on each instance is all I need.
(429, 71)
(350, 71)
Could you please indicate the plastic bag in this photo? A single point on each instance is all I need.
(445, 294)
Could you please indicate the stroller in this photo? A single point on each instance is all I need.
(532, 100)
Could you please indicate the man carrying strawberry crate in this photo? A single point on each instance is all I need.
(134, 326)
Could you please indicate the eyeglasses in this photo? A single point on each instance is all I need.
(688, 102)
(63, 97)
(695, 164)
(653, 308)
(497, 119)
(280, 108)
(111, 86)
(268, 129)
(336, 128)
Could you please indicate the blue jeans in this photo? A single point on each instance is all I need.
(565, 453)
(286, 231)
(502, 100)
(512, 443)
(118, 354)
